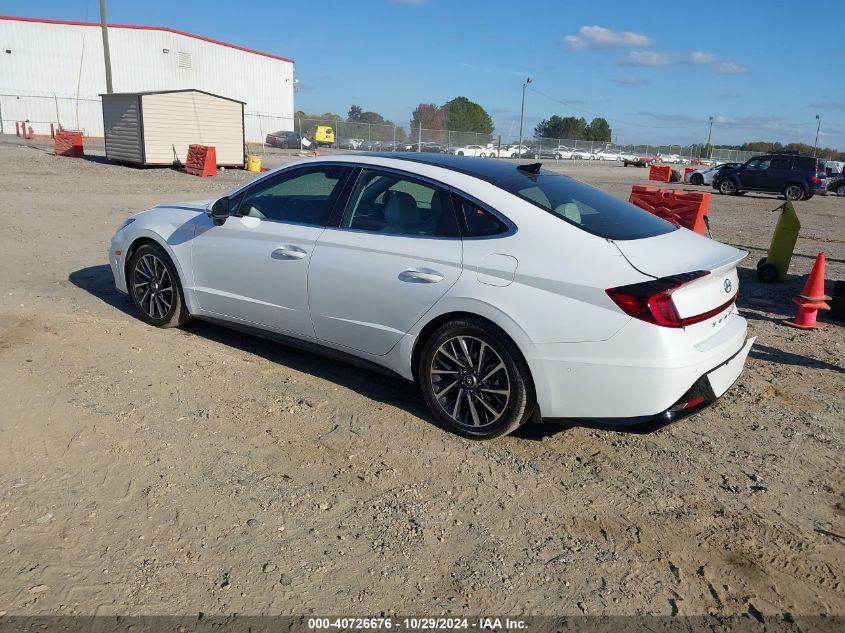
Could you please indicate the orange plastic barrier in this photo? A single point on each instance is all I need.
(663, 173)
(687, 208)
(68, 144)
(202, 160)
(688, 171)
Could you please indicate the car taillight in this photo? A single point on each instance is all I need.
(651, 301)
(815, 179)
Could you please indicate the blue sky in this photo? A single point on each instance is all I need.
(656, 70)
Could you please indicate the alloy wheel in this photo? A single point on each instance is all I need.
(794, 192)
(152, 286)
(470, 382)
(727, 187)
(841, 191)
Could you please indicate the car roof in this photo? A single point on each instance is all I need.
(488, 169)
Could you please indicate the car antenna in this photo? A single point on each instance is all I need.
(530, 168)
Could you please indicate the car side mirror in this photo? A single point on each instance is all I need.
(218, 211)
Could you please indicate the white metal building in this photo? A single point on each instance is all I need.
(52, 71)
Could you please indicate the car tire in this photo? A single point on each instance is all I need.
(155, 289)
(558, 157)
(794, 191)
(728, 187)
(840, 190)
(696, 179)
(808, 195)
(453, 385)
(460, 153)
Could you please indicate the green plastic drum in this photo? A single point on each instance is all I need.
(774, 266)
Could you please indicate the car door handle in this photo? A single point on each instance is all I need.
(288, 252)
(421, 276)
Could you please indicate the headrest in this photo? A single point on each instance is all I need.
(402, 210)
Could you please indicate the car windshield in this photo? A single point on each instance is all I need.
(587, 208)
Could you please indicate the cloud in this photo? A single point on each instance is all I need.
(700, 57)
(728, 68)
(628, 80)
(600, 37)
(644, 58)
(714, 63)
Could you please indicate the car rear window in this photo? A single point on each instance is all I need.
(808, 163)
(587, 208)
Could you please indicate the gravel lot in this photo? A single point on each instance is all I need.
(148, 471)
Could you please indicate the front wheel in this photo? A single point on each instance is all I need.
(155, 289)
(727, 187)
(475, 380)
(794, 192)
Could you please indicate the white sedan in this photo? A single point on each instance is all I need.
(705, 175)
(503, 291)
(606, 154)
(474, 150)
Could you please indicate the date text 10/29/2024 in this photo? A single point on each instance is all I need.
(418, 624)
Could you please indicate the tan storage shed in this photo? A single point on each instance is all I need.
(156, 128)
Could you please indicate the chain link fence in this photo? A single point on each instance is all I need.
(358, 136)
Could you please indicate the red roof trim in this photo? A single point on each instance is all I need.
(147, 28)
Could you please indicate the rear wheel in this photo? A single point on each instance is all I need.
(794, 191)
(155, 289)
(475, 380)
(727, 187)
(696, 179)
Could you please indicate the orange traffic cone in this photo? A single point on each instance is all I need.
(812, 298)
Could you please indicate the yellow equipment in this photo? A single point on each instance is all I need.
(774, 266)
(324, 135)
(253, 164)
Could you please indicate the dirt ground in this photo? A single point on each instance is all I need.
(147, 471)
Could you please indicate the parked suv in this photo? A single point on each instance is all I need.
(794, 176)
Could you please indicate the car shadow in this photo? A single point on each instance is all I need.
(781, 357)
(99, 282)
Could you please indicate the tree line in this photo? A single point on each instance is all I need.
(464, 115)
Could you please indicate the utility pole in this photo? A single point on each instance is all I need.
(106, 56)
(522, 115)
(816, 144)
(709, 135)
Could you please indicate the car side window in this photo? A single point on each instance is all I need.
(477, 222)
(758, 163)
(781, 163)
(301, 196)
(384, 202)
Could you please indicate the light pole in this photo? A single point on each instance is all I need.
(106, 57)
(522, 115)
(816, 144)
(709, 136)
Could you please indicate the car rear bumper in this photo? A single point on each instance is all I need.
(595, 380)
(703, 392)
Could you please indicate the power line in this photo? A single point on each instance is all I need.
(614, 120)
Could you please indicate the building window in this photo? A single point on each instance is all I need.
(183, 59)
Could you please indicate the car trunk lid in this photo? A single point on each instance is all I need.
(700, 275)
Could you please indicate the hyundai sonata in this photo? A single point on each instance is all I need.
(501, 290)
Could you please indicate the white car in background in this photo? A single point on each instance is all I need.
(503, 291)
(474, 150)
(705, 175)
(513, 151)
(607, 154)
